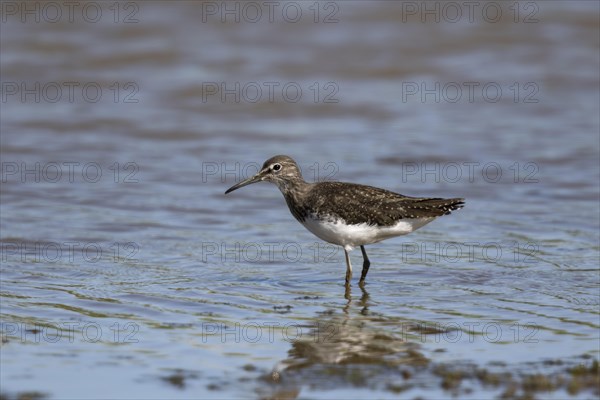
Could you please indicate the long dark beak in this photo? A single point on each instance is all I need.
(256, 178)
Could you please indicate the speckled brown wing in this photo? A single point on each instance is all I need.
(357, 204)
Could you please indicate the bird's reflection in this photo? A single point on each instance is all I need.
(363, 301)
(346, 345)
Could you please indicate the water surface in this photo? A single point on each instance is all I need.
(127, 273)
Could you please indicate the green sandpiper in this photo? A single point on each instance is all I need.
(348, 214)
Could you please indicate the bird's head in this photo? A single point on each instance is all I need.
(279, 170)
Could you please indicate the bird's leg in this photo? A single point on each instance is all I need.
(348, 268)
(366, 265)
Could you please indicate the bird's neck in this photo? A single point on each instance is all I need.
(294, 190)
(292, 186)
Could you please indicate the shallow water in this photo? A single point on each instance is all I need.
(126, 271)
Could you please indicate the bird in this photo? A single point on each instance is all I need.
(349, 215)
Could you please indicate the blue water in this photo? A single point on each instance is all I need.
(127, 273)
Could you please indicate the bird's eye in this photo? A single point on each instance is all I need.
(276, 167)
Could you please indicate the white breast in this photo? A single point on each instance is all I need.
(350, 236)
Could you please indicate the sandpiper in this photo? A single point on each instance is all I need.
(348, 214)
